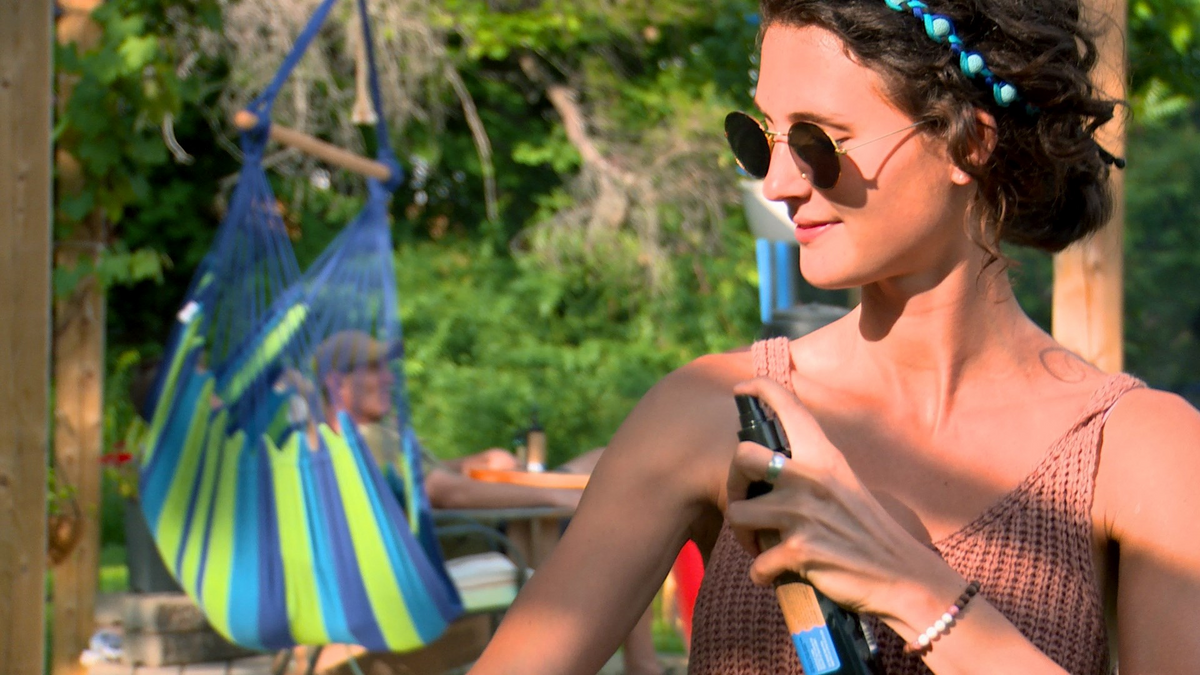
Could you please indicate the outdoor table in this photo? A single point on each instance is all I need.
(546, 479)
(534, 529)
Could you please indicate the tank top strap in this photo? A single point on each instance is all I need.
(1085, 440)
(773, 359)
(1110, 393)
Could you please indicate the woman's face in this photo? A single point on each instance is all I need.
(898, 208)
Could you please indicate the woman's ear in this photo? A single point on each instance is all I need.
(983, 142)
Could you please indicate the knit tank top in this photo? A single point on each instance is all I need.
(1032, 553)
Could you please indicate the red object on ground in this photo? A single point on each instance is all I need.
(116, 458)
(688, 572)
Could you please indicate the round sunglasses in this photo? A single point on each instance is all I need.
(817, 153)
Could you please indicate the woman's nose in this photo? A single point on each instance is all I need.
(785, 178)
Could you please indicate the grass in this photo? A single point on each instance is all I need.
(667, 639)
(114, 575)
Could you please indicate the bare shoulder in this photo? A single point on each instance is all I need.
(1149, 465)
(1147, 499)
(686, 425)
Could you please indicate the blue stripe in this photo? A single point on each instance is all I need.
(208, 525)
(272, 607)
(193, 497)
(416, 581)
(155, 478)
(332, 610)
(363, 626)
(244, 587)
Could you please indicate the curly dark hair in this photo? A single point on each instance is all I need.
(1045, 183)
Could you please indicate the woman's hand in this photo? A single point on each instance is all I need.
(832, 530)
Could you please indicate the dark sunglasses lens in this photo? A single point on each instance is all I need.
(814, 148)
(749, 144)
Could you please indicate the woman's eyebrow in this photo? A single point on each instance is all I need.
(815, 118)
(819, 120)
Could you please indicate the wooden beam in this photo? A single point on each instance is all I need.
(79, 381)
(78, 408)
(339, 157)
(1088, 311)
(25, 174)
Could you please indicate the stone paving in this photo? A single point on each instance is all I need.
(261, 665)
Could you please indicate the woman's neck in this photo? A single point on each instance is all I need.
(922, 338)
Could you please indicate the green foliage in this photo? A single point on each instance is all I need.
(490, 340)
(121, 90)
(1163, 255)
(494, 331)
(493, 30)
(1164, 56)
(1156, 103)
(59, 493)
(115, 266)
(647, 75)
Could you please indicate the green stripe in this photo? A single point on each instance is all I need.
(186, 343)
(169, 534)
(410, 491)
(305, 616)
(194, 542)
(386, 597)
(218, 570)
(270, 348)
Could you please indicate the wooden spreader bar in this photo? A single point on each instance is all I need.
(246, 120)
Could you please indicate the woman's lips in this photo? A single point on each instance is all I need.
(806, 232)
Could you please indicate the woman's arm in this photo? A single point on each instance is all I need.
(663, 468)
(1149, 488)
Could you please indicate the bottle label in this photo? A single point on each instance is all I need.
(817, 653)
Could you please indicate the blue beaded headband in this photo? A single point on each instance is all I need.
(940, 29)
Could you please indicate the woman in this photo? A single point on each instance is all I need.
(939, 436)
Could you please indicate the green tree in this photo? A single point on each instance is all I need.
(610, 246)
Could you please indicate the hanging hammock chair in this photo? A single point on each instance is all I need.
(283, 530)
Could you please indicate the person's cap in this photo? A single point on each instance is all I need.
(350, 349)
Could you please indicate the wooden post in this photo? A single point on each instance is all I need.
(79, 381)
(1088, 307)
(25, 174)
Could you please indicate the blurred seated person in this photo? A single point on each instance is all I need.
(355, 379)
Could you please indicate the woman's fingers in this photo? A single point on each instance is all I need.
(775, 560)
(804, 487)
(749, 516)
(751, 463)
(757, 523)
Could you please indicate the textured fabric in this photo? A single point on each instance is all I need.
(1031, 551)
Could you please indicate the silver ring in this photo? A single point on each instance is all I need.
(775, 467)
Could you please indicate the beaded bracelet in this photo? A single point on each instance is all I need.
(942, 625)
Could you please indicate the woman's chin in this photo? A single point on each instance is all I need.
(830, 280)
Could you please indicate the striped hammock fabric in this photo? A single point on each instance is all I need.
(284, 544)
(281, 529)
